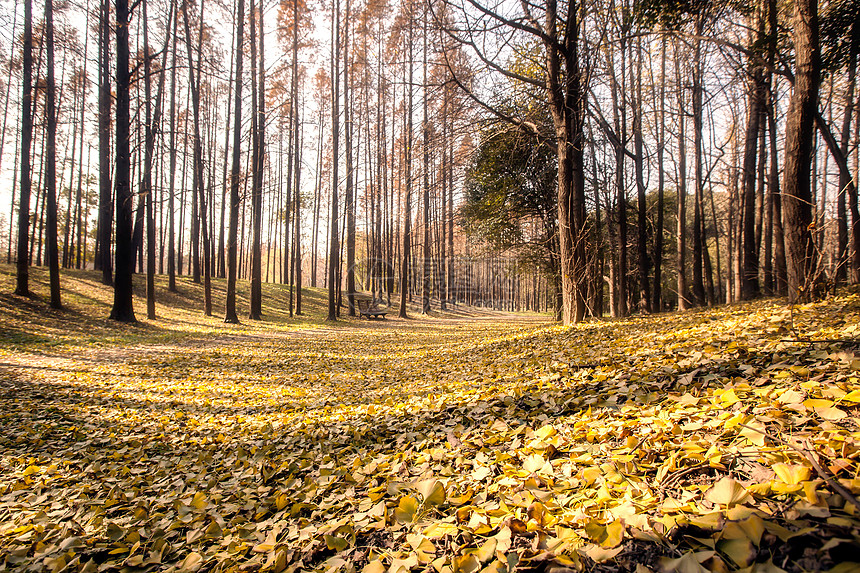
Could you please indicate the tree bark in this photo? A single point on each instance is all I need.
(22, 280)
(51, 160)
(233, 232)
(800, 125)
(123, 309)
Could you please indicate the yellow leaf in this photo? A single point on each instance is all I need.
(534, 463)
(406, 509)
(729, 397)
(833, 414)
(792, 474)
(727, 492)
(191, 563)
(437, 530)
(741, 551)
(590, 474)
(199, 501)
(790, 397)
(336, 543)
(267, 545)
(602, 554)
(815, 403)
(487, 550)
(545, 432)
(754, 432)
(432, 491)
(466, 564)
(853, 396)
(374, 566)
(614, 534)
(420, 543)
(688, 563)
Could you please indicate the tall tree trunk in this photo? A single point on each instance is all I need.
(51, 159)
(123, 310)
(334, 246)
(349, 196)
(105, 223)
(427, 277)
(844, 176)
(800, 125)
(642, 220)
(698, 151)
(233, 232)
(257, 119)
(681, 261)
(757, 94)
(171, 209)
(22, 283)
(406, 265)
(657, 293)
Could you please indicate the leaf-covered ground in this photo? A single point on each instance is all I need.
(679, 442)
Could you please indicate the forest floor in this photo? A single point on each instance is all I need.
(714, 440)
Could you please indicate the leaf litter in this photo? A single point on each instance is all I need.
(679, 442)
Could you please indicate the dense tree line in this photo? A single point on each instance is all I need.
(600, 157)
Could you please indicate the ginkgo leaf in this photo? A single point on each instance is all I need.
(335, 543)
(534, 463)
(419, 542)
(687, 563)
(740, 551)
(792, 474)
(727, 492)
(816, 403)
(833, 414)
(375, 566)
(191, 563)
(406, 509)
(432, 492)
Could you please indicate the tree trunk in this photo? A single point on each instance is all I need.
(123, 310)
(681, 261)
(233, 232)
(258, 118)
(334, 247)
(427, 277)
(642, 207)
(22, 284)
(51, 159)
(103, 258)
(800, 125)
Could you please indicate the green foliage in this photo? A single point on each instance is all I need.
(510, 193)
(840, 27)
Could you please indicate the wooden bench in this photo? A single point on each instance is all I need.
(369, 309)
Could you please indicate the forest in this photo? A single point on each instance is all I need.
(450, 286)
(596, 159)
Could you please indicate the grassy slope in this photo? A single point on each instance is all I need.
(430, 444)
(88, 303)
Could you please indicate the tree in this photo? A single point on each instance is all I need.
(510, 193)
(123, 309)
(51, 160)
(258, 121)
(22, 283)
(557, 29)
(233, 232)
(334, 247)
(103, 257)
(800, 125)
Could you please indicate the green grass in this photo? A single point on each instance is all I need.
(29, 323)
